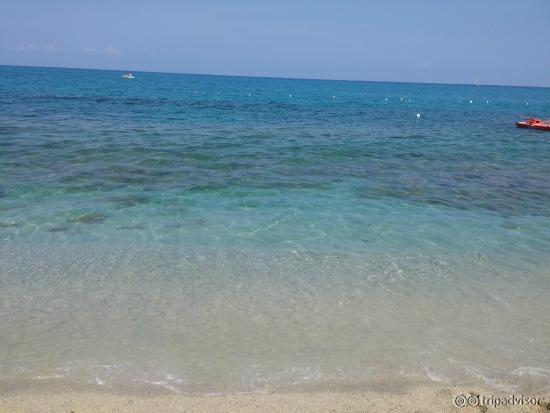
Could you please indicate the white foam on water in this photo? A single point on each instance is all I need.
(531, 371)
(159, 383)
(49, 377)
(436, 377)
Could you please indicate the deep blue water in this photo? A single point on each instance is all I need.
(266, 167)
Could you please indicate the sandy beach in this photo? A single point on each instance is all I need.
(424, 399)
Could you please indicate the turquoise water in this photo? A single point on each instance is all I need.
(233, 233)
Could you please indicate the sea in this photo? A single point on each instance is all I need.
(218, 234)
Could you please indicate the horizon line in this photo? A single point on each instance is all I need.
(276, 77)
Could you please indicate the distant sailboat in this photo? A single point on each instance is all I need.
(477, 82)
(128, 76)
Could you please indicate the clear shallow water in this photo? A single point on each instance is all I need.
(228, 234)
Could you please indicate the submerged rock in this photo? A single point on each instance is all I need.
(129, 201)
(60, 228)
(9, 224)
(136, 226)
(90, 218)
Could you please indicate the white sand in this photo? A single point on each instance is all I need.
(432, 399)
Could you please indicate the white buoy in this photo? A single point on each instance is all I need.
(386, 98)
(471, 101)
(418, 115)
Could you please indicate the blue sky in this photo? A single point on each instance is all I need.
(447, 41)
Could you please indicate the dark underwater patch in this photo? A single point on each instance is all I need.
(89, 218)
(59, 228)
(128, 201)
(130, 227)
(9, 225)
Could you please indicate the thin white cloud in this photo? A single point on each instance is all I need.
(424, 65)
(110, 50)
(39, 48)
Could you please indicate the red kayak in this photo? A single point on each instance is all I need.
(534, 123)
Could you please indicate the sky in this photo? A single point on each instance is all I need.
(441, 41)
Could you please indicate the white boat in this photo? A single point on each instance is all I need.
(128, 76)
